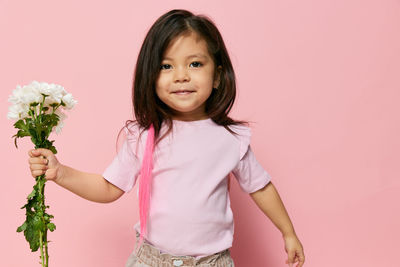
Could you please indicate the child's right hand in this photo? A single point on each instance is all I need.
(43, 161)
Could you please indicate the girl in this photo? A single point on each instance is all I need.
(183, 146)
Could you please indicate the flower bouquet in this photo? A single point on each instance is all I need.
(37, 109)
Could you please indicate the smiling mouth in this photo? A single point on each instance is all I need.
(183, 92)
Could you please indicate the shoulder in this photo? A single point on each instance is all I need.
(133, 130)
(243, 135)
(132, 137)
(241, 130)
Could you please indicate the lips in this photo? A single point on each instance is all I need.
(183, 92)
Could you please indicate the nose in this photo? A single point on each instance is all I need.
(181, 75)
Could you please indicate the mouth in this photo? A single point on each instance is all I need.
(183, 92)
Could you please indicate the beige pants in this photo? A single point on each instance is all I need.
(149, 256)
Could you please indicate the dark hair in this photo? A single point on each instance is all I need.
(148, 108)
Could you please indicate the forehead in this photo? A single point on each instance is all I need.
(187, 44)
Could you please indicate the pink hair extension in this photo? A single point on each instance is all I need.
(145, 183)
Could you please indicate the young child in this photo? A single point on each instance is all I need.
(182, 148)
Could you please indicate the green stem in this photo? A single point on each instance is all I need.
(45, 224)
(40, 111)
(46, 250)
(32, 111)
(41, 248)
(43, 236)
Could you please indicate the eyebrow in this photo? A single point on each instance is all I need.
(191, 56)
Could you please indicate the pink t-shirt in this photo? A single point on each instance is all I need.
(190, 211)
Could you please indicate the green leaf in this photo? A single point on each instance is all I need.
(32, 232)
(43, 134)
(32, 194)
(20, 124)
(22, 133)
(29, 121)
(47, 217)
(22, 227)
(32, 133)
(15, 141)
(53, 149)
(51, 226)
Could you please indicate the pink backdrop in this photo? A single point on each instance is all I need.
(320, 79)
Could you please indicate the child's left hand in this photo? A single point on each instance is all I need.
(294, 249)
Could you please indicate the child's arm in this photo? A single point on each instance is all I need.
(269, 201)
(90, 186)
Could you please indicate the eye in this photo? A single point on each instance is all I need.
(165, 66)
(196, 64)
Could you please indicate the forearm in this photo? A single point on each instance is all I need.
(269, 201)
(90, 186)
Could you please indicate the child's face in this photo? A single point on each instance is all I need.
(186, 77)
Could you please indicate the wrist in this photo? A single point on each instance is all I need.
(60, 174)
(289, 233)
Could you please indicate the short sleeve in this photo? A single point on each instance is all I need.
(243, 134)
(125, 167)
(249, 173)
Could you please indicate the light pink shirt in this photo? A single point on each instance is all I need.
(190, 211)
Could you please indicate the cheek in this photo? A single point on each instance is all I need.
(161, 86)
(204, 79)
(210, 77)
(207, 82)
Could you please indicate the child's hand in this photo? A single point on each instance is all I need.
(294, 249)
(43, 161)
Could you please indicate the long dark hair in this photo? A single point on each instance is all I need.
(148, 107)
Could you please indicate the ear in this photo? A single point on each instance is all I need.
(217, 76)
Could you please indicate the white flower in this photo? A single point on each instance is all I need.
(17, 111)
(69, 101)
(55, 93)
(22, 97)
(60, 124)
(13, 113)
(25, 95)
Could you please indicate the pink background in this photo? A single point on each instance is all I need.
(320, 79)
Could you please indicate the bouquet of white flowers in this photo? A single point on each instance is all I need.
(37, 109)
